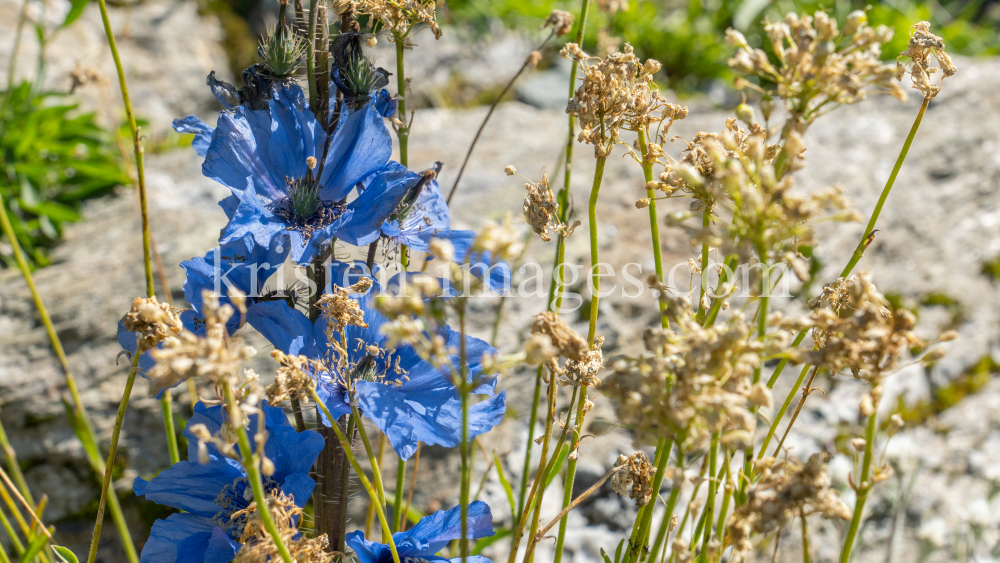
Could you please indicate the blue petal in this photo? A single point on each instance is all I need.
(229, 205)
(191, 487)
(221, 549)
(436, 530)
(299, 486)
(127, 340)
(296, 134)
(287, 329)
(386, 407)
(385, 104)
(235, 158)
(360, 146)
(369, 551)
(437, 416)
(201, 130)
(213, 417)
(373, 206)
(345, 274)
(253, 218)
(181, 538)
(291, 451)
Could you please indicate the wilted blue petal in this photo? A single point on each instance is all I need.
(201, 130)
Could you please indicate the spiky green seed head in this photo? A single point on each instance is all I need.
(282, 52)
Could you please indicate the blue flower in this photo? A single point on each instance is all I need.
(268, 158)
(210, 494)
(428, 537)
(406, 397)
(240, 265)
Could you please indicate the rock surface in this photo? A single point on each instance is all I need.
(938, 227)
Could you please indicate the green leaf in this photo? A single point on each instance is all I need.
(34, 548)
(75, 11)
(604, 555)
(54, 211)
(65, 555)
(506, 485)
(618, 552)
(486, 542)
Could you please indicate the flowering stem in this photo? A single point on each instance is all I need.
(805, 538)
(397, 507)
(863, 486)
(403, 131)
(137, 144)
(710, 502)
(798, 409)
(386, 532)
(654, 226)
(713, 311)
(86, 435)
(167, 407)
(251, 463)
(727, 493)
(860, 250)
(372, 459)
(571, 471)
(113, 451)
(540, 476)
(413, 483)
(493, 106)
(14, 466)
(594, 257)
(663, 446)
(661, 534)
(463, 389)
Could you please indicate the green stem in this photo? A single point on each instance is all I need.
(706, 221)
(403, 132)
(250, 463)
(713, 311)
(863, 486)
(571, 472)
(137, 145)
(14, 540)
(540, 476)
(112, 452)
(860, 250)
(663, 447)
(654, 226)
(372, 495)
(710, 501)
(372, 458)
(727, 493)
(167, 407)
(805, 538)
(311, 56)
(14, 466)
(87, 435)
(661, 534)
(397, 507)
(466, 453)
(594, 252)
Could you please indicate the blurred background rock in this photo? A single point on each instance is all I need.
(936, 253)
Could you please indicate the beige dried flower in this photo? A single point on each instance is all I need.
(617, 93)
(341, 310)
(541, 210)
(534, 58)
(292, 380)
(152, 321)
(786, 489)
(612, 6)
(566, 341)
(561, 22)
(818, 66)
(258, 547)
(400, 16)
(214, 355)
(922, 46)
(499, 239)
(634, 478)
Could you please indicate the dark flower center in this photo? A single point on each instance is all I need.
(304, 210)
(233, 499)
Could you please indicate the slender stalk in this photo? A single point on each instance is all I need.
(663, 446)
(559, 517)
(372, 459)
(300, 420)
(805, 395)
(710, 502)
(525, 473)
(571, 472)
(413, 483)
(370, 513)
(539, 475)
(311, 56)
(730, 268)
(397, 507)
(372, 495)
(16, 512)
(22, 16)
(167, 408)
(489, 114)
(654, 225)
(79, 412)
(661, 534)
(14, 466)
(137, 143)
(727, 493)
(805, 538)
(860, 250)
(594, 251)
(27, 505)
(863, 487)
(403, 131)
(706, 221)
(466, 453)
(250, 464)
(581, 28)
(112, 452)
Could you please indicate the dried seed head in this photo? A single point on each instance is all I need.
(258, 545)
(634, 478)
(400, 16)
(152, 321)
(534, 58)
(293, 378)
(541, 210)
(341, 310)
(560, 21)
(922, 46)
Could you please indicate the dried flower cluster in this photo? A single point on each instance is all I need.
(541, 208)
(293, 378)
(215, 356)
(399, 17)
(341, 310)
(617, 93)
(634, 478)
(922, 46)
(787, 488)
(153, 321)
(560, 21)
(693, 382)
(551, 338)
(819, 66)
(258, 547)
